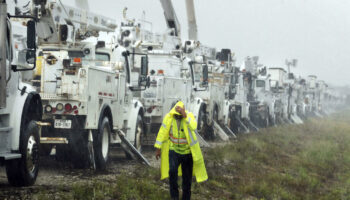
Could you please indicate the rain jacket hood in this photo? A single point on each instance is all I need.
(173, 110)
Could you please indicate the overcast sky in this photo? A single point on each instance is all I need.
(316, 32)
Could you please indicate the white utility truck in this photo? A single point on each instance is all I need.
(278, 87)
(86, 88)
(258, 111)
(20, 104)
(169, 82)
(171, 79)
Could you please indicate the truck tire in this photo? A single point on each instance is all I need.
(202, 124)
(216, 114)
(101, 144)
(267, 119)
(139, 134)
(23, 171)
(139, 137)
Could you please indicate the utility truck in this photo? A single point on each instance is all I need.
(86, 88)
(310, 95)
(258, 110)
(210, 71)
(169, 79)
(170, 75)
(20, 104)
(267, 96)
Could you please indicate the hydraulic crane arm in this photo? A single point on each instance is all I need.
(61, 23)
(192, 22)
(170, 16)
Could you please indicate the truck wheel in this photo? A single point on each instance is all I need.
(139, 137)
(202, 121)
(216, 114)
(23, 172)
(101, 144)
(272, 120)
(139, 134)
(267, 120)
(233, 122)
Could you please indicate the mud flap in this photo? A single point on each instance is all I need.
(246, 130)
(127, 146)
(201, 140)
(296, 119)
(220, 132)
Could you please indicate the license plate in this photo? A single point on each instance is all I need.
(62, 123)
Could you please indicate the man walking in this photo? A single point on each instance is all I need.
(179, 150)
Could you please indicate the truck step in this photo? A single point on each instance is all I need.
(10, 156)
(5, 129)
(53, 140)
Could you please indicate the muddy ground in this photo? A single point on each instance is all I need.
(55, 176)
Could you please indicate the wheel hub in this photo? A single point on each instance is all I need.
(31, 154)
(105, 143)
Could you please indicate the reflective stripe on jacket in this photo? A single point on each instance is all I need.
(163, 142)
(177, 136)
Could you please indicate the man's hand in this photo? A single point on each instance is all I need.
(158, 153)
(182, 111)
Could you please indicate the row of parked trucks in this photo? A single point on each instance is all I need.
(63, 94)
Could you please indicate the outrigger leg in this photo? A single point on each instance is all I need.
(127, 146)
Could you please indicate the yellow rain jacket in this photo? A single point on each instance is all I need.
(163, 143)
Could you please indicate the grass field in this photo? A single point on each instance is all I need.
(308, 161)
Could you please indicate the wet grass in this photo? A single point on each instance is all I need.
(308, 161)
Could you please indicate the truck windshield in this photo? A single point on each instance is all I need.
(102, 57)
(260, 83)
(76, 54)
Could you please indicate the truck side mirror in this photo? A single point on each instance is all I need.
(31, 35)
(31, 42)
(144, 66)
(205, 76)
(144, 80)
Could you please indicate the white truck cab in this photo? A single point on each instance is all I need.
(20, 104)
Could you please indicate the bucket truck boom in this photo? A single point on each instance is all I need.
(170, 17)
(192, 22)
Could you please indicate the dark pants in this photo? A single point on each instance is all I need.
(186, 162)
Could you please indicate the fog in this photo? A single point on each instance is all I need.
(316, 32)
